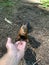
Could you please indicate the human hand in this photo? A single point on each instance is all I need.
(16, 49)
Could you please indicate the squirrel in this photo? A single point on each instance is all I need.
(22, 33)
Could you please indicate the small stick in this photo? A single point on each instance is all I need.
(8, 21)
(36, 62)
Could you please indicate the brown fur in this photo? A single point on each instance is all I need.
(22, 34)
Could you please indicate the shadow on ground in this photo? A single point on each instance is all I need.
(30, 57)
(33, 42)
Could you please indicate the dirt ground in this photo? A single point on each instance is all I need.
(22, 13)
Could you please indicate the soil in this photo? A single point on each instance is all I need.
(22, 13)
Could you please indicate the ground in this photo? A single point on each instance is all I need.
(22, 13)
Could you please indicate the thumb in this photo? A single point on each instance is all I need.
(8, 42)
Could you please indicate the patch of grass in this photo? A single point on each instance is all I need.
(45, 3)
(7, 3)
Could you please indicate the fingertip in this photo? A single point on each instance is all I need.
(8, 44)
(17, 42)
(8, 40)
(24, 44)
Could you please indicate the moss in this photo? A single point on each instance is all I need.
(45, 3)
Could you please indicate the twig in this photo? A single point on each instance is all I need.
(36, 61)
(8, 21)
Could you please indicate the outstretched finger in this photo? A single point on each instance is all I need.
(9, 40)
